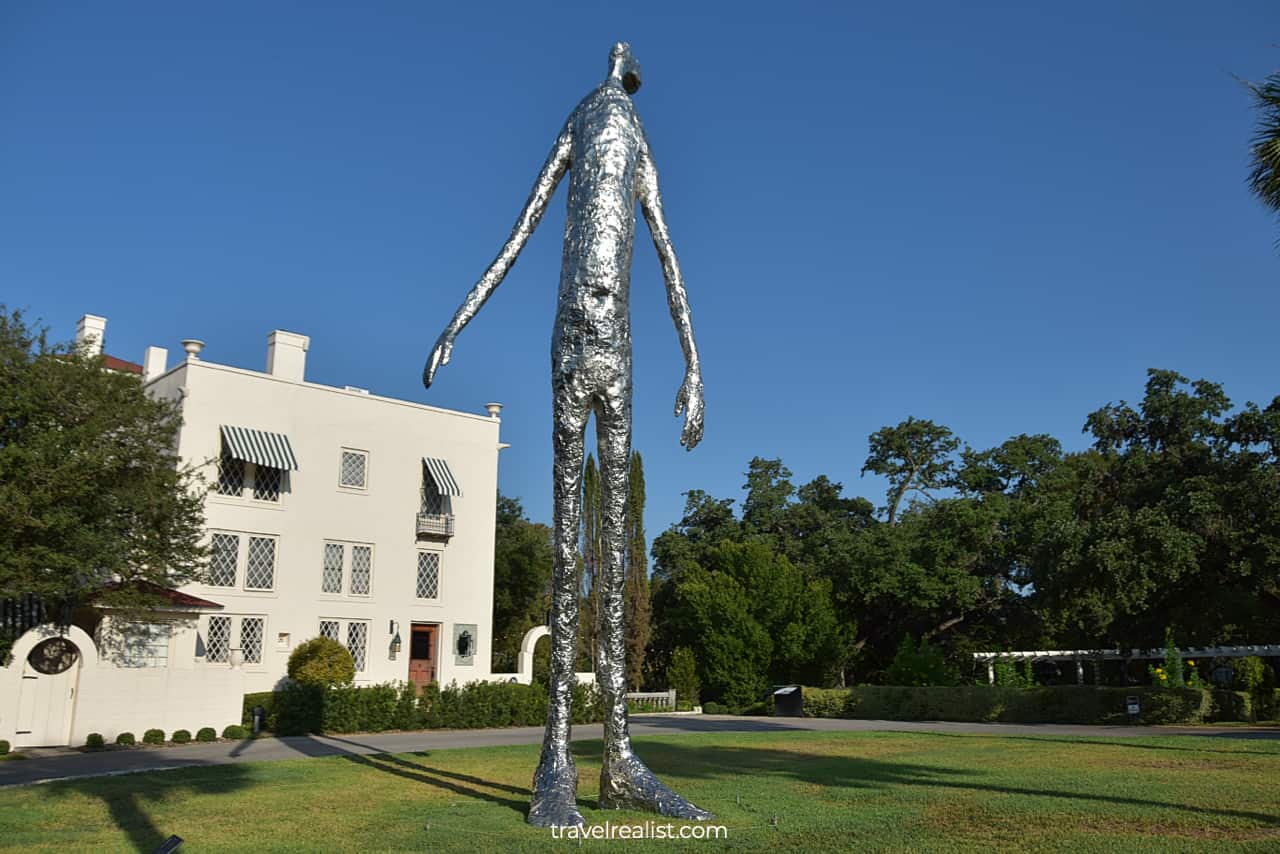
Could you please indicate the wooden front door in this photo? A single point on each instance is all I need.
(422, 655)
(46, 695)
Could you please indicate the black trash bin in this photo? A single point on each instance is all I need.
(788, 701)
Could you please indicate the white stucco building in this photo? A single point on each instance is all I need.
(330, 511)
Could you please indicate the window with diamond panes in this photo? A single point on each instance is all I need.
(361, 570)
(224, 556)
(428, 575)
(217, 646)
(329, 629)
(260, 569)
(331, 575)
(251, 639)
(432, 501)
(358, 643)
(230, 476)
(266, 483)
(353, 471)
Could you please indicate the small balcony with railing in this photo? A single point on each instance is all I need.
(435, 516)
(435, 525)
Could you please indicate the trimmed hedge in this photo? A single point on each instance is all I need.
(1063, 704)
(300, 709)
(126, 738)
(181, 736)
(206, 733)
(825, 702)
(1245, 706)
(1268, 709)
(153, 736)
(234, 731)
(95, 741)
(4, 746)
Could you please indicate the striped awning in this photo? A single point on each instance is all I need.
(259, 447)
(439, 471)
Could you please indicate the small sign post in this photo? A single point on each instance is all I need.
(1131, 702)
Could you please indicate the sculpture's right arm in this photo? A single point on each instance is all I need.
(544, 188)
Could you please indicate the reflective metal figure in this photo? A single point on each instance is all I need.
(604, 148)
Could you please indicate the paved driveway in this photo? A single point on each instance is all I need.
(60, 764)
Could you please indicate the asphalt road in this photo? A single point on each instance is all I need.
(49, 764)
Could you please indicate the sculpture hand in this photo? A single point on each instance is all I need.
(439, 356)
(689, 401)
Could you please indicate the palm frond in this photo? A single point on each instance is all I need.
(1264, 175)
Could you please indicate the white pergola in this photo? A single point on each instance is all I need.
(1080, 656)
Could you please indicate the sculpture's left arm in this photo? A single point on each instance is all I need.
(689, 399)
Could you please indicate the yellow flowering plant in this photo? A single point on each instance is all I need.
(1170, 675)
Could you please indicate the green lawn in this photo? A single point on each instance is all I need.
(822, 791)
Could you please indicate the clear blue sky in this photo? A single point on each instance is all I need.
(997, 218)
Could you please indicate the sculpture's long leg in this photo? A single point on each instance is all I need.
(613, 445)
(625, 782)
(555, 783)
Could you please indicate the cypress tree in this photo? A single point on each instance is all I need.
(636, 603)
(592, 555)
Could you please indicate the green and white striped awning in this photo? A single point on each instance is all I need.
(439, 471)
(259, 447)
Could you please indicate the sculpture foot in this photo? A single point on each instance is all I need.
(628, 784)
(555, 794)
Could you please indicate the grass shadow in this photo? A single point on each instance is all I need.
(127, 796)
(432, 777)
(449, 781)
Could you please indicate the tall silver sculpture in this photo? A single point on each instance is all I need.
(604, 146)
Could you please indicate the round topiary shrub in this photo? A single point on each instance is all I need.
(322, 662)
(4, 747)
(181, 736)
(153, 736)
(95, 741)
(126, 738)
(235, 731)
(207, 733)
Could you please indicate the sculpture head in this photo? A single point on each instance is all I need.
(624, 68)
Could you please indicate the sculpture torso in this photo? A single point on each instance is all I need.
(593, 327)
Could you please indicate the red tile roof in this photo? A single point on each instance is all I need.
(111, 363)
(174, 598)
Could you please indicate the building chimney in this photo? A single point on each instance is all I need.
(89, 334)
(494, 409)
(154, 363)
(287, 355)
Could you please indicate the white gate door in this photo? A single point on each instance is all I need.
(45, 704)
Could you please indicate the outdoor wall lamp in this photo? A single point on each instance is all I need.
(394, 629)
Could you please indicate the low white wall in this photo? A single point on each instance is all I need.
(112, 700)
